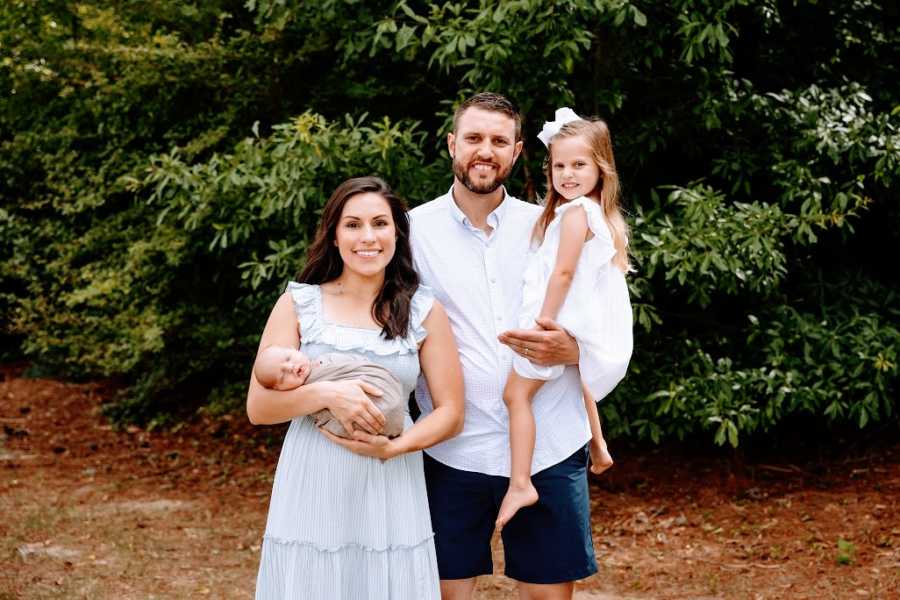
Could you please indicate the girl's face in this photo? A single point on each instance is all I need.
(366, 236)
(574, 171)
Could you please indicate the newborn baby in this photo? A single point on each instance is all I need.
(281, 368)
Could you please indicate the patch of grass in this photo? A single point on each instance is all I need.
(845, 552)
(713, 584)
(776, 552)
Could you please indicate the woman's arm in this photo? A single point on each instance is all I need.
(439, 358)
(572, 232)
(347, 400)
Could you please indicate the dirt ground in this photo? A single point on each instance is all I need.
(89, 512)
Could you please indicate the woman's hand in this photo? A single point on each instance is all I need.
(376, 446)
(548, 345)
(349, 403)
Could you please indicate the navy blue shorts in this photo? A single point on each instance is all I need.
(548, 542)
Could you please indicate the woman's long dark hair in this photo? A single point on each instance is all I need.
(323, 260)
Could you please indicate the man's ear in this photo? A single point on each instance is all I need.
(451, 143)
(518, 151)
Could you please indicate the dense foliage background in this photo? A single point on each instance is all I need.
(163, 165)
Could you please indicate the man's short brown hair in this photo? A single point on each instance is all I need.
(492, 102)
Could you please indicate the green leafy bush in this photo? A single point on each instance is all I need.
(163, 166)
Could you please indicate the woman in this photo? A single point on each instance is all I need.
(349, 518)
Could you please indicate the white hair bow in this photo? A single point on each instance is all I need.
(563, 115)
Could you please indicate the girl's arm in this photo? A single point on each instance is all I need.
(346, 400)
(572, 233)
(439, 358)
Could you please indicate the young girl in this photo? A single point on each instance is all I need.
(581, 263)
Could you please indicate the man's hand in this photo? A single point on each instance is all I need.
(550, 345)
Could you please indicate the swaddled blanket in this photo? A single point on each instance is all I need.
(335, 366)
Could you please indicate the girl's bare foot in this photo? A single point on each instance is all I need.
(601, 459)
(516, 497)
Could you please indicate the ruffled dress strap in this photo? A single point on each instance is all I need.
(315, 328)
(603, 241)
(420, 307)
(307, 299)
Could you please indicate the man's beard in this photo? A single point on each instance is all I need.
(462, 173)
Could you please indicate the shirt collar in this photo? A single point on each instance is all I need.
(493, 219)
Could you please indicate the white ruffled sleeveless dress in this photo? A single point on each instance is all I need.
(597, 309)
(343, 526)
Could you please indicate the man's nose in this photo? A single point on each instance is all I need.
(485, 149)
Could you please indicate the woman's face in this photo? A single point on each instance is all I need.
(366, 236)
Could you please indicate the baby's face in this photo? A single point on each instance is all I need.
(286, 367)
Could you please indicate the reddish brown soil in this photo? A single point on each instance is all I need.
(89, 512)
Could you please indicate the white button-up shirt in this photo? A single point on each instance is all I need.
(478, 278)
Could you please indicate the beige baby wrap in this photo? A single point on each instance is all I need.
(335, 366)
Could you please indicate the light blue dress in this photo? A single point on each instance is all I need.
(341, 525)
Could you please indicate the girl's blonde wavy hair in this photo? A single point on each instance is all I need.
(596, 133)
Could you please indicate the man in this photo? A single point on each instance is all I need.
(470, 246)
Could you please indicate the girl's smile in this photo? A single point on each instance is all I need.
(575, 172)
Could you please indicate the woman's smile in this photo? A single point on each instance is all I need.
(367, 253)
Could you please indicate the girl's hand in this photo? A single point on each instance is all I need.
(351, 406)
(364, 444)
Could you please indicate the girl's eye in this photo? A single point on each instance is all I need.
(352, 224)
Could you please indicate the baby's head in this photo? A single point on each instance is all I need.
(281, 368)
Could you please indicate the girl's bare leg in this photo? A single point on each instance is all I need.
(517, 395)
(601, 459)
